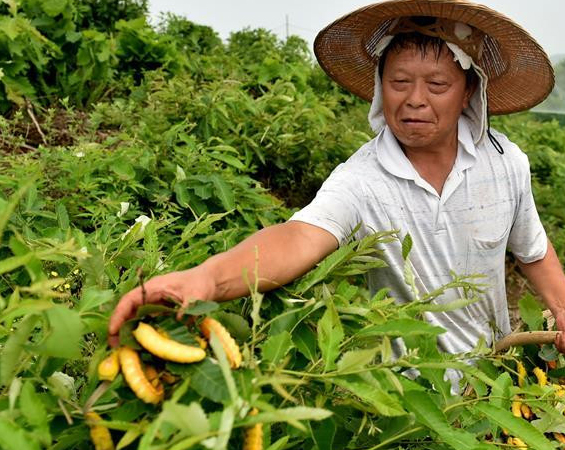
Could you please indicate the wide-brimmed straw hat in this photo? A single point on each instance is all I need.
(519, 72)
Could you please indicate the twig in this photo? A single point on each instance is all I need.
(98, 392)
(524, 338)
(65, 412)
(27, 147)
(35, 122)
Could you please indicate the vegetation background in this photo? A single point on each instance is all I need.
(132, 149)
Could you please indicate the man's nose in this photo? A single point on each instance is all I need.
(417, 95)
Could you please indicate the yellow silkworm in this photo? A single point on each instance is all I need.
(517, 442)
(109, 367)
(253, 435)
(517, 407)
(100, 435)
(136, 379)
(559, 437)
(165, 348)
(541, 376)
(153, 377)
(209, 326)
(526, 411)
(203, 343)
(521, 374)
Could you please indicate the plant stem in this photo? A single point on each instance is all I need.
(396, 438)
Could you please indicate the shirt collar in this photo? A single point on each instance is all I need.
(393, 159)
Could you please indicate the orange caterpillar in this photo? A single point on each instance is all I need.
(109, 367)
(136, 378)
(99, 434)
(163, 347)
(209, 326)
(253, 435)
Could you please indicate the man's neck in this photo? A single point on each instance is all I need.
(435, 165)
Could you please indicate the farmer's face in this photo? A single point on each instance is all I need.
(423, 97)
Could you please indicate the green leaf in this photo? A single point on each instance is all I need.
(223, 192)
(8, 209)
(356, 359)
(93, 297)
(305, 341)
(289, 415)
(13, 5)
(325, 267)
(220, 353)
(437, 379)
(12, 353)
(9, 264)
(401, 327)
(330, 335)
(531, 312)
(200, 307)
(35, 412)
(12, 437)
(237, 326)
(406, 246)
(228, 159)
(428, 414)
(123, 168)
(64, 334)
(53, 7)
(208, 381)
(384, 403)
(500, 393)
(150, 247)
(279, 444)
(225, 429)
(516, 426)
(190, 419)
(323, 433)
(62, 216)
(277, 347)
(31, 406)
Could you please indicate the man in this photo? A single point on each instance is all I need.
(434, 170)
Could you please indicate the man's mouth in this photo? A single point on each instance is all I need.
(414, 120)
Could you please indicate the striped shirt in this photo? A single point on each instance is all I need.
(485, 207)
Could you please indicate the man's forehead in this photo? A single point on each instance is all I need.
(438, 61)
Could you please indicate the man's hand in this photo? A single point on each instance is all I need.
(179, 287)
(560, 324)
(549, 281)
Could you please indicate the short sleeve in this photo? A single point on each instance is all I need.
(337, 205)
(527, 240)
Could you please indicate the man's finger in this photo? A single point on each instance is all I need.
(124, 310)
(560, 342)
(113, 340)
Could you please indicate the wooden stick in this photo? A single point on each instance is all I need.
(524, 338)
(35, 122)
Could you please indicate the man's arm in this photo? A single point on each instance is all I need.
(549, 281)
(280, 253)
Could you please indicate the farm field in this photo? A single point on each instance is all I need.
(129, 151)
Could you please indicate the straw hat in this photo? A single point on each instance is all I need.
(519, 72)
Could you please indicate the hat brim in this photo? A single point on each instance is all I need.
(519, 72)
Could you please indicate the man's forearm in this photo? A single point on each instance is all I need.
(548, 279)
(278, 254)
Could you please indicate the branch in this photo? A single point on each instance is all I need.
(524, 338)
(29, 108)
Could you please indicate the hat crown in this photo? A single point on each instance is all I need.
(519, 72)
